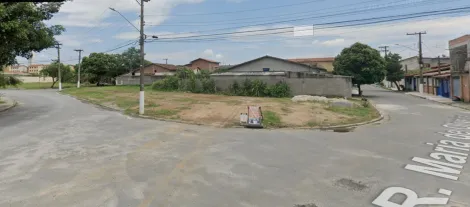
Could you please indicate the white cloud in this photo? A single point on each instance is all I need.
(68, 40)
(88, 13)
(219, 56)
(208, 53)
(127, 36)
(333, 42)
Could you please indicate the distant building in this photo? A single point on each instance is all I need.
(325, 63)
(36, 68)
(203, 64)
(18, 69)
(274, 64)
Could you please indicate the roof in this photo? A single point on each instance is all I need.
(280, 59)
(34, 65)
(166, 66)
(430, 71)
(207, 60)
(304, 60)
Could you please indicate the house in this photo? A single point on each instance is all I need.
(325, 63)
(436, 80)
(18, 69)
(274, 64)
(203, 64)
(412, 64)
(156, 69)
(35, 68)
(152, 72)
(460, 61)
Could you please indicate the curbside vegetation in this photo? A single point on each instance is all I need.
(186, 81)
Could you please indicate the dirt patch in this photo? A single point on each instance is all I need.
(350, 184)
(219, 110)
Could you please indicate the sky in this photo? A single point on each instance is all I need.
(309, 28)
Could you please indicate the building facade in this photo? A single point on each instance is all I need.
(273, 64)
(203, 64)
(460, 61)
(154, 69)
(325, 63)
(18, 69)
(35, 68)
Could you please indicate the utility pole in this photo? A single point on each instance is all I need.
(142, 54)
(439, 64)
(58, 70)
(385, 50)
(420, 43)
(79, 65)
(166, 61)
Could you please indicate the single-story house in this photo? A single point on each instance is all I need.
(274, 64)
(155, 69)
(203, 64)
(325, 62)
(152, 73)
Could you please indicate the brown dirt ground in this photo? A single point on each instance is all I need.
(218, 110)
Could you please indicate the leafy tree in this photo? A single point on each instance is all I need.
(99, 66)
(362, 62)
(23, 29)
(8, 80)
(52, 71)
(130, 59)
(393, 67)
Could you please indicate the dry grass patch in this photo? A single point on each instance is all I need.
(223, 111)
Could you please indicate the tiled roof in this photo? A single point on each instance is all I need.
(212, 61)
(307, 60)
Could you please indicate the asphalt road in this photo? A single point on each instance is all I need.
(57, 151)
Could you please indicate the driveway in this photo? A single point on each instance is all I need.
(57, 151)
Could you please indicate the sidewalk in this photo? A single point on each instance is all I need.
(441, 100)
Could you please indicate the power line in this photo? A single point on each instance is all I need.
(239, 11)
(252, 25)
(397, 17)
(317, 15)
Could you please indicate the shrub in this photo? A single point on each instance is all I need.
(235, 89)
(208, 86)
(169, 83)
(246, 88)
(279, 90)
(258, 88)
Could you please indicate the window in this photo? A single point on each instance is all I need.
(265, 69)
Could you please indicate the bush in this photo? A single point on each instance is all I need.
(235, 89)
(279, 90)
(170, 83)
(258, 89)
(246, 88)
(208, 86)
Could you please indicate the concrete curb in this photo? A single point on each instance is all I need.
(235, 127)
(12, 104)
(448, 104)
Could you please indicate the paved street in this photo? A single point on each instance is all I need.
(57, 151)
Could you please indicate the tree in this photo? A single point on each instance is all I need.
(393, 68)
(23, 29)
(100, 67)
(130, 59)
(9, 80)
(52, 69)
(362, 62)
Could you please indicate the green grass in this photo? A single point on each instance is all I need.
(2, 102)
(44, 85)
(271, 119)
(353, 111)
(163, 112)
(126, 103)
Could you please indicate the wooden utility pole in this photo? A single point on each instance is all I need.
(421, 81)
(385, 50)
(58, 62)
(439, 64)
(79, 65)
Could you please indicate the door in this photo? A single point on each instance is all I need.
(456, 86)
(440, 83)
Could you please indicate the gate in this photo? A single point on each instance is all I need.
(456, 86)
